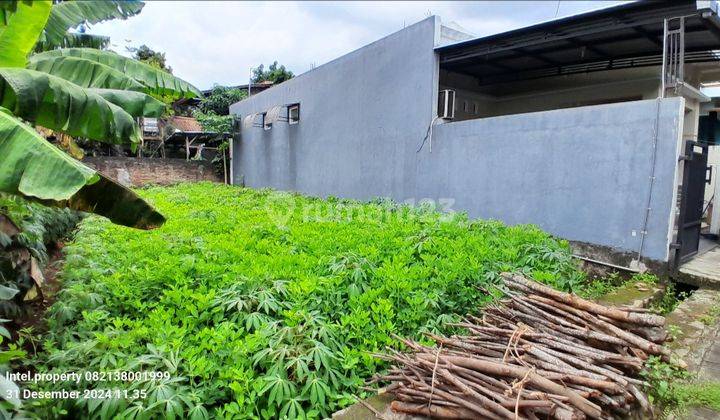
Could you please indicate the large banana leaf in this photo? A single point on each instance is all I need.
(20, 30)
(74, 40)
(37, 170)
(62, 106)
(85, 73)
(157, 81)
(70, 14)
(7, 8)
(136, 104)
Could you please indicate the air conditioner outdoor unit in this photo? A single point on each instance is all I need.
(446, 104)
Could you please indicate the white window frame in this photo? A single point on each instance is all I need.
(292, 121)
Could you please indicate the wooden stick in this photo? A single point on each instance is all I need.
(519, 372)
(432, 411)
(580, 303)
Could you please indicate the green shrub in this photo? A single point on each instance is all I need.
(267, 304)
(38, 226)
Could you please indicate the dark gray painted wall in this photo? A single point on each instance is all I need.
(579, 173)
(361, 118)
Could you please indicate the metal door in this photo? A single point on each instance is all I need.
(695, 173)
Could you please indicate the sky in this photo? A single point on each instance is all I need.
(209, 43)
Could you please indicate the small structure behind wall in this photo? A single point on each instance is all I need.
(627, 53)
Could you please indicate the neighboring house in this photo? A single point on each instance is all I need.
(255, 88)
(177, 133)
(586, 126)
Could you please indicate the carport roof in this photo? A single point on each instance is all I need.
(628, 35)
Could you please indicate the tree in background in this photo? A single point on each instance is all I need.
(273, 73)
(220, 99)
(149, 56)
(214, 109)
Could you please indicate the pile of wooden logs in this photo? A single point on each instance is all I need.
(539, 353)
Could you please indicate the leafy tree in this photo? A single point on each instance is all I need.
(213, 123)
(274, 73)
(220, 99)
(213, 113)
(154, 58)
(106, 90)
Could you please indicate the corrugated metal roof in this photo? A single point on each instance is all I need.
(628, 35)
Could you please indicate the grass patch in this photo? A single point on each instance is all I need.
(697, 394)
(599, 287)
(711, 316)
(675, 391)
(266, 304)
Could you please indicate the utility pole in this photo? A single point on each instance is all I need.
(250, 80)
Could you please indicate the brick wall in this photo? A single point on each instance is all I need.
(138, 172)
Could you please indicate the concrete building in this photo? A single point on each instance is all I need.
(586, 126)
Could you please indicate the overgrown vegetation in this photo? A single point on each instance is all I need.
(213, 113)
(24, 236)
(675, 391)
(266, 304)
(599, 287)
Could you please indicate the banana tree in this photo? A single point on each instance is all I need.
(66, 15)
(77, 92)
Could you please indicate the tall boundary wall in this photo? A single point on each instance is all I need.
(583, 174)
(579, 173)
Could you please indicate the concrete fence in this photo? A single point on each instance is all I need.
(582, 173)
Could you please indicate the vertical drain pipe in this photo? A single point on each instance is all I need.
(637, 263)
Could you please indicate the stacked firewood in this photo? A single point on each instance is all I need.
(538, 353)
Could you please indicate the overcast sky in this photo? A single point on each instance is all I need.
(217, 42)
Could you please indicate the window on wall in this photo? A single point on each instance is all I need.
(267, 125)
(294, 114)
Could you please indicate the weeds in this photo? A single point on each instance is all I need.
(602, 286)
(674, 390)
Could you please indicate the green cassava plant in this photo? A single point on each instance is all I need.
(264, 304)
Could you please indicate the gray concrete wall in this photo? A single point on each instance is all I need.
(581, 173)
(362, 116)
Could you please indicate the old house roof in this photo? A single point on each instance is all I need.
(185, 124)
